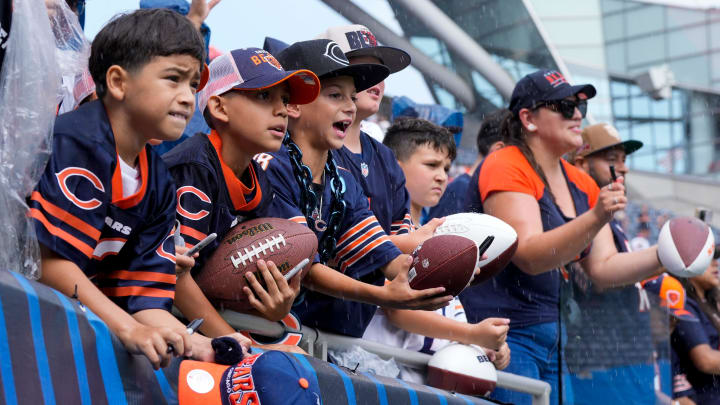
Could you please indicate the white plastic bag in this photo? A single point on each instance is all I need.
(361, 360)
(29, 95)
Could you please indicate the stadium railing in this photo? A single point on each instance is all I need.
(317, 343)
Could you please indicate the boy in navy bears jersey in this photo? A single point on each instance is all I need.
(311, 189)
(372, 163)
(245, 102)
(104, 208)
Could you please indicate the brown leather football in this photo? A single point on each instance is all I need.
(444, 261)
(284, 242)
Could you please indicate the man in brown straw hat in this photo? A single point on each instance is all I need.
(602, 148)
(592, 335)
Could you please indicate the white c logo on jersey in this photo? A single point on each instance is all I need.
(68, 172)
(199, 194)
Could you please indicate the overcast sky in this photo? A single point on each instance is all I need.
(246, 23)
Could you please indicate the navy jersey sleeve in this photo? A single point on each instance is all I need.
(149, 282)
(689, 334)
(363, 246)
(401, 221)
(70, 202)
(681, 387)
(279, 173)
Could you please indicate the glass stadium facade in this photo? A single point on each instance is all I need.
(608, 43)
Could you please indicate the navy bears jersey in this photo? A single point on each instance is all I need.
(363, 247)
(210, 196)
(124, 244)
(383, 182)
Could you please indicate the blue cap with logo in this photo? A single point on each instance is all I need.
(545, 85)
(256, 69)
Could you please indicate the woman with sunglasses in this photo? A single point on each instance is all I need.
(560, 216)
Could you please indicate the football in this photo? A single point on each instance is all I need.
(686, 246)
(443, 261)
(284, 242)
(462, 368)
(478, 227)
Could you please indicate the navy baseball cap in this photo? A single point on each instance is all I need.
(357, 40)
(672, 295)
(545, 85)
(274, 46)
(256, 69)
(268, 378)
(326, 59)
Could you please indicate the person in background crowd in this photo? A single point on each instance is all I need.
(671, 295)
(627, 377)
(488, 140)
(696, 343)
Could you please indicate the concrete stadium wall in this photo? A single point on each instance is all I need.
(679, 194)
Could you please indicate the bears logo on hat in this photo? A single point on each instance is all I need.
(333, 51)
(357, 40)
(555, 78)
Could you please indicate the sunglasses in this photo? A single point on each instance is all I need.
(565, 107)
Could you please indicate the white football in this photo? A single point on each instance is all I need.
(477, 227)
(462, 368)
(686, 246)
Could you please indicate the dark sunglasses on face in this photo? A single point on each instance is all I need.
(565, 107)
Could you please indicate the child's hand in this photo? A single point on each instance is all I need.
(153, 343)
(427, 231)
(499, 358)
(273, 303)
(202, 346)
(183, 263)
(398, 293)
(490, 332)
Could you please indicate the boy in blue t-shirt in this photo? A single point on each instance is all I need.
(424, 152)
(104, 208)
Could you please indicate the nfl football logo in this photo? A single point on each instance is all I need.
(364, 169)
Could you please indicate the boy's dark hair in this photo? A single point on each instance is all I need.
(406, 134)
(490, 130)
(132, 40)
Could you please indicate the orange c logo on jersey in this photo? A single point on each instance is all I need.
(161, 249)
(68, 172)
(199, 194)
